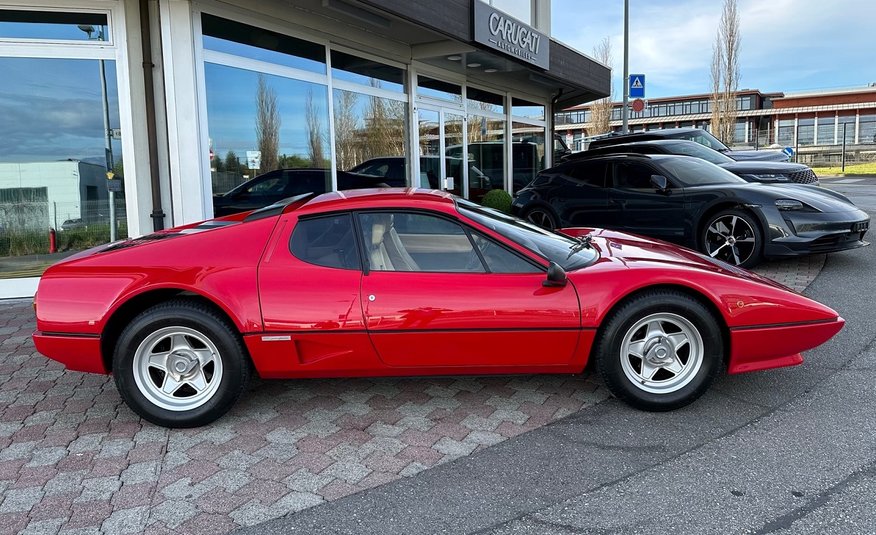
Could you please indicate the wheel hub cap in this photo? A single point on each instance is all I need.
(658, 353)
(182, 362)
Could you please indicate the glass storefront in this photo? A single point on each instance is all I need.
(60, 139)
(270, 116)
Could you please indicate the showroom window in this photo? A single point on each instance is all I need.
(266, 107)
(867, 129)
(62, 139)
(785, 132)
(370, 115)
(527, 141)
(486, 140)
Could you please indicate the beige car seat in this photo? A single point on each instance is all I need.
(387, 252)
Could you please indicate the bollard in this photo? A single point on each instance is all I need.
(53, 241)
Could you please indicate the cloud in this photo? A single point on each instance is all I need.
(786, 45)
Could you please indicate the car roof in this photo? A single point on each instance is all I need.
(376, 198)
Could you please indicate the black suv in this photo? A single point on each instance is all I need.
(750, 170)
(691, 134)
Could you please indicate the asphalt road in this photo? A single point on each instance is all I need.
(784, 451)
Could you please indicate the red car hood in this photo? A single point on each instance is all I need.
(630, 249)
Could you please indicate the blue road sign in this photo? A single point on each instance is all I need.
(637, 85)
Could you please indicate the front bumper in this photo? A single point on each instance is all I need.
(813, 233)
(775, 346)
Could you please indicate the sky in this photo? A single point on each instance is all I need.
(786, 45)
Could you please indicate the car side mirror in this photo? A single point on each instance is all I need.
(556, 276)
(660, 183)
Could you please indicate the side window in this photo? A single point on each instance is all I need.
(326, 241)
(499, 259)
(266, 186)
(399, 241)
(633, 176)
(588, 173)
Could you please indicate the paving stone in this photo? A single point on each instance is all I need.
(20, 500)
(43, 527)
(172, 513)
(448, 446)
(131, 520)
(98, 489)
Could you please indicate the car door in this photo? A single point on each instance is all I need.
(431, 299)
(643, 209)
(309, 282)
(582, 200)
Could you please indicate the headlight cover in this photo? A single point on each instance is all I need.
(769, 177)
(793, 205)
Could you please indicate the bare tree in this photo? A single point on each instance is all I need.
(346, 125)
(267, 125)
(600, 111)
(315, 136)
(725, 73)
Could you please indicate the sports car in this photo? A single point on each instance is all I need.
(694, 203)
(400, 282)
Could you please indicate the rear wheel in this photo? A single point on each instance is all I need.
(660, 351)
(541, 216)
(180, 364)
(733, 236)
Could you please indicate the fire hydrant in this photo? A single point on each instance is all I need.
(53, 241)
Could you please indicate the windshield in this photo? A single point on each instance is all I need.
(698, 151)
(703, 138)
(568, 252)
(695, 172)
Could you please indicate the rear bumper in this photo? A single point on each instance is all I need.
(767, 347)
(77, 353)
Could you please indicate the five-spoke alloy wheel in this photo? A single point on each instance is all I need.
(660, 350)
(542, 217)
(734, 237)
(180, 364)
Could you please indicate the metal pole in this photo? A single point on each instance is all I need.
(625, 111)
(108, 141)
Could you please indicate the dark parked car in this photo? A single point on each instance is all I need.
(750, 170)
(393, 169)
(274, 186)
(694, 203)
(691, 134)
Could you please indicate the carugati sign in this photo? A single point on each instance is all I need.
(507, 34)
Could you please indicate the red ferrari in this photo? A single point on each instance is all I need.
(407, 282)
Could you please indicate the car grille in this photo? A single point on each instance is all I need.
(804, 177)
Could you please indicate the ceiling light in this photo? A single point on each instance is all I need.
(474, 65)
(454, 58)
(491, 70)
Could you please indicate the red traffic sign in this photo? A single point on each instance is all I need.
(638, 105)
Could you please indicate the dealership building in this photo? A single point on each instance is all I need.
(176, 101)
(815, 123)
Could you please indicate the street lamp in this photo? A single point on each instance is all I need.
(107, 133)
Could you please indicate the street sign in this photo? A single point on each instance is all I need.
(637, 85)
(253, 159)
(638, 105)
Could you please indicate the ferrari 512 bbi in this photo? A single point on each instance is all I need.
(401, 282)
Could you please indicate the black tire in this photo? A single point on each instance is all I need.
(740, 251)
(204, 332)
(665, 390)
(542, 216)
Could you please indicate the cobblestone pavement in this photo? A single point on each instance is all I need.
(794, 273)
(75, 459)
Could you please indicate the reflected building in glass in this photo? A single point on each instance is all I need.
(202, 109)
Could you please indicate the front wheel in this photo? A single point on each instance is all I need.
(660, 351)
(542, 217)
(180, 364)
(733, 236)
